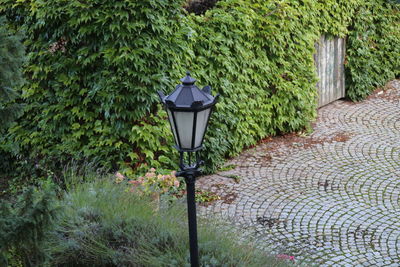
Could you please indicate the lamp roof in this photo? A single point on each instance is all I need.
(189, 96)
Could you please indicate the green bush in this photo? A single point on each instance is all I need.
(104, 225)
(23, 226)
(373, 48)
(94, 68)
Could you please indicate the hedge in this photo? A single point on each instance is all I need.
(94, 69)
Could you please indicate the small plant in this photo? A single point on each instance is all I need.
(285, 257)
(227, 168)
(206, 196)
(201, 196)
(152, 182)
(234, 177)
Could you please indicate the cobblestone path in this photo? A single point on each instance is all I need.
(332, 198)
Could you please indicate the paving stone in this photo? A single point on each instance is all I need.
(332, 198)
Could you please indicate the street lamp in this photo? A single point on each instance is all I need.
(189, 110)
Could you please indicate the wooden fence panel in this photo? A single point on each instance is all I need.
(329, 60)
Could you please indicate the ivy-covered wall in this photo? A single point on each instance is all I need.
(373, 54)
(94, 68)
(11, 60)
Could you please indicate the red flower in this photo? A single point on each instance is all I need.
(285, 257)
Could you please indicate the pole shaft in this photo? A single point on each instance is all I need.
(191, 205)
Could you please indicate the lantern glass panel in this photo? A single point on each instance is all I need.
(171, 121)
(184, 123)
(201, 125)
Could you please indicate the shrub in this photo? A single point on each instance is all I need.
(23, 227)
(103, 224)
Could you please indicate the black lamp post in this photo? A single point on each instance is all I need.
(189, 110)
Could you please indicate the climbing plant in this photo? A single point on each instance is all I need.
(94, 68)
(11, 59)
(373, 48)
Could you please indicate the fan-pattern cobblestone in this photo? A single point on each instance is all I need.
(331, 198)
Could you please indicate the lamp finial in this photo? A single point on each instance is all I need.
(188, 80)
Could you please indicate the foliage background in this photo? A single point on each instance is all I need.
(373, 48)
(94, 68)
(11, 60)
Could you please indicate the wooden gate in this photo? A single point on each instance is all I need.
(329, 60)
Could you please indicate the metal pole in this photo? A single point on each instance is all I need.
(191, 205)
